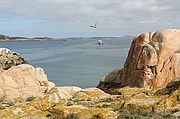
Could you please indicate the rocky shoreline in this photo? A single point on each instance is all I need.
(146, 88)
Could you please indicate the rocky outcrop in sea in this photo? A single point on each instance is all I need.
(25, 91)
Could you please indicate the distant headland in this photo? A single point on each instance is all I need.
(15, 38)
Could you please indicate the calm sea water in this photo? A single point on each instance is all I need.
(73, 61)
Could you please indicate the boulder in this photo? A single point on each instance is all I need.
(45, 107)
(153, 61)
(66, 92)
(90, 93)
(9, 59)
(22, 112)
(23, 81)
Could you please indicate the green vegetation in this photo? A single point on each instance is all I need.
(30, 99)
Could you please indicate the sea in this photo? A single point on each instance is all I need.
(74, 61)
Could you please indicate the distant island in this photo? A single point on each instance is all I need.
(9, 38)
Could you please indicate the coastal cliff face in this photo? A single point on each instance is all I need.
(153, 61)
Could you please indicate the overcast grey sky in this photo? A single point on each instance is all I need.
(68, 18)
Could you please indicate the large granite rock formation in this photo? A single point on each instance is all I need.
(23, 81)
(9, 59)
(20, 80)
(153, 61)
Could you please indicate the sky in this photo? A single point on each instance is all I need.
(72, 18)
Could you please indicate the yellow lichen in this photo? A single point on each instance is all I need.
(94, 93)
(172, 100)
(140, 96)
(21, 111)
(146, 103)
(58, 109)
(119, 104)
(46, 102)
(89, 93)
(130, 91)
(86, 113)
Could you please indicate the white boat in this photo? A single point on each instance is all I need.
(100, 42)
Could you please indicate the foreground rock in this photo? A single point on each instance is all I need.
(9, 59)
(92, 103)
(39, 108)
(23, 81)
(153, 61)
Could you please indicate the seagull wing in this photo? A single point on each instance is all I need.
(96, 23)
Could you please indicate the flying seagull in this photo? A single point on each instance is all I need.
(94, 25)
